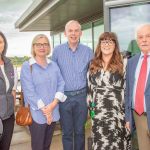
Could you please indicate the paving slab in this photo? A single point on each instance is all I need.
(21, 139)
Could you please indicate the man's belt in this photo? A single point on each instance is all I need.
(77, 92)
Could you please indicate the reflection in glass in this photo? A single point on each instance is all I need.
(56, 40)
(63, 38)
(124, 21)
(86, 37)
(98, 30)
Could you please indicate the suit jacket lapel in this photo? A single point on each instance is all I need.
(133, 70)
(148, 81)
(1, 74)
(6, 61)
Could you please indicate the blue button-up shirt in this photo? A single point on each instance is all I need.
(41, 84)
(73, 65)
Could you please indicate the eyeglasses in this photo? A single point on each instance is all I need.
(107, 42)
(39, 45)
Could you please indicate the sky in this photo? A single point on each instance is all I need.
(19, 43)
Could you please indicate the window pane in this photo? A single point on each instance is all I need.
(124, 21)
(86, 37)
(56, 40)
(98, 30)
(63, 38)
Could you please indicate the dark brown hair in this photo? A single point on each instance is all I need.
(5, 44)
(115, 63)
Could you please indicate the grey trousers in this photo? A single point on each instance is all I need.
(41, 135)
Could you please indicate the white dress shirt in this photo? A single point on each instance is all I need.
(6, 79)
(137, 72)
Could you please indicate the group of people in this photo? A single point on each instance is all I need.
(118, 91)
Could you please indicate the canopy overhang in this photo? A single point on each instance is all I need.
(52, 15)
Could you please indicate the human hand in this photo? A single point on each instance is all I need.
(50, 107)
(14, 95)
(47, 109)
(49, 119)
(127, 125)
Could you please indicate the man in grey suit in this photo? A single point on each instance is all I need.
(137, 97)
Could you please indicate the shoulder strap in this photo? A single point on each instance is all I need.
(31, 68)
(21, 93)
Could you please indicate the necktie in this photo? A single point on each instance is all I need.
(139, 97)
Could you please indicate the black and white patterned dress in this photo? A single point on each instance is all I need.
(108, 126)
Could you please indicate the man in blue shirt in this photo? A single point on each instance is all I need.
(73, 59)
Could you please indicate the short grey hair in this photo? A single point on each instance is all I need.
(72, 21)
(139, 27)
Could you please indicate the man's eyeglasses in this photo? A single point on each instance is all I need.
(107, 42)
(39, 45)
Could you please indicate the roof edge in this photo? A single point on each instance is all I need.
(30, 11)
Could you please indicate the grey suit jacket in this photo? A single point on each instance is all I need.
(130, 81)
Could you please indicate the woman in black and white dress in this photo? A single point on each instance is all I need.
(106, 94)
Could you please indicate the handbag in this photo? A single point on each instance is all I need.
(23, 116)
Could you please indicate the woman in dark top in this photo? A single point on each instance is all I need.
(7, 95)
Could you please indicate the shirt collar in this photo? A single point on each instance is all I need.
(33, 61)
(142, 54)
(70, 48)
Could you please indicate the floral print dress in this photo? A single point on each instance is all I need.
(106, 90)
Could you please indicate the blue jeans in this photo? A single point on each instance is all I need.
(73, 116)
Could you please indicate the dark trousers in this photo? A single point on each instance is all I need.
(41, 135)
(8, 127)
(73, 115)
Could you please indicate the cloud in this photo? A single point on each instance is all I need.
(19, 43)
(14, 5)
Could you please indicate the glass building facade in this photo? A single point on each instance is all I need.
(123, 18)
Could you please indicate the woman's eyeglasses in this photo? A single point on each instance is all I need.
(107, 42)
(39, 45)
